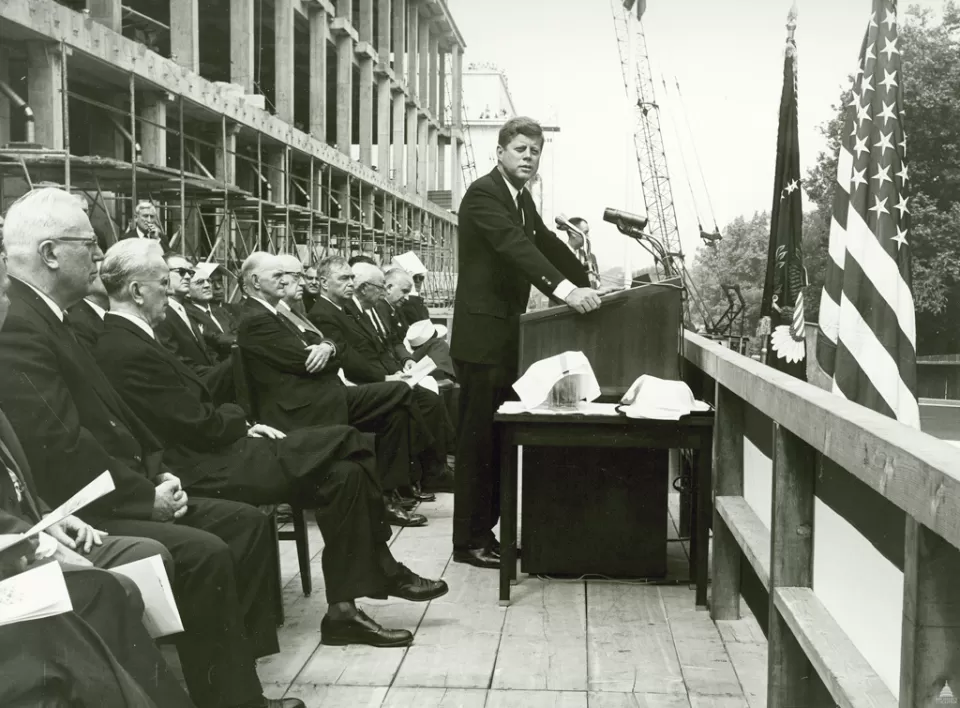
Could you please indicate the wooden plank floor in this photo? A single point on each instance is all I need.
(561, 644)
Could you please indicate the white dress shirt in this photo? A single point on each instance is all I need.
(266, 304)
(54, 307)
(95, 307)
(209, 311)
(182, 313)
(137, 321)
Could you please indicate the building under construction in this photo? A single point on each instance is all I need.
(302, 126)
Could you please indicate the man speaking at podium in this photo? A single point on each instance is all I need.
(504, 248)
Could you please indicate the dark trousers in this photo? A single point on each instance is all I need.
(97, 655)
(433, 455)
(388, 410)
(224, 559)
(476, 484)
(331, 470)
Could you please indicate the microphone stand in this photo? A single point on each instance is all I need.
(651, 245)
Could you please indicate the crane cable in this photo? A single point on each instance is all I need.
(696, 156)
(683, 157)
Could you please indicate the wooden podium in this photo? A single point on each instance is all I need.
(602, 511)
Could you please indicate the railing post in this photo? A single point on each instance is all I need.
(790, 677)
(728, 481)
(930, 642)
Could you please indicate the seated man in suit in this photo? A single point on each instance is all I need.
(294, 372)
(218, 454)
(99, 654)
(86, 317)
(311, 288)
(185, 337)
(145, 224)
(199, 305)
(73, 426)
(345, 313)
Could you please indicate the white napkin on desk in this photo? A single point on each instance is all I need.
(536, 383)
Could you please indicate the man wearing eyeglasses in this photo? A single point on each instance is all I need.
(185, 337)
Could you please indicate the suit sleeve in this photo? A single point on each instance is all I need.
(494, 223)
(356, 367)
(153, 389)
(64, 456)
(264, 337)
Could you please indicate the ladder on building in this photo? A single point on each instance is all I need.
(647, 136)
(468, 165)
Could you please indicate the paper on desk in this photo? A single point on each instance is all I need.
(34, 594)
(582, 408)
(97, 488)
(160, 615)
(535, 384)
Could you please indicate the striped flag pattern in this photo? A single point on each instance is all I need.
(867, 335)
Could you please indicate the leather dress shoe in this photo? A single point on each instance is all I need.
(407, 585)
(479, 557)
(422, 496)
(360, 629)
(398, 516)
(403, 502)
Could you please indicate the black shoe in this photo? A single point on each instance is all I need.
(407, 585)
(441, 483)
(285, 703)
(422, 496)
(397, 499)
(479, 557)
(360, 629)
(397, 516)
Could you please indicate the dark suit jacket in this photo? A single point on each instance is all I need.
(364, 358)
(187, 344)
(70, 421)
(397, 326)
(414, 310)
(288, 397)
(86, 323)
(217, 342)
(17, 515)
(499, 259)
(131, 232)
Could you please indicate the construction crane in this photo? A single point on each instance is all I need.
(661, 230)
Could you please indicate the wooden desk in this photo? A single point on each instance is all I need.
(604, 431)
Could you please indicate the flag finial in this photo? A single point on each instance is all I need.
(791, 27)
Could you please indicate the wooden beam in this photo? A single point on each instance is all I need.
(791, 565)
(902, 464)
(728, 481)
(930, 639)
(241, 44)
(749, 534)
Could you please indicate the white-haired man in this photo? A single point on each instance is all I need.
(146, 224)
(297, 384)
(217, 453)
(369, 355)
(73, 425)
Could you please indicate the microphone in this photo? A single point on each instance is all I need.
(562, 223)
(615, 216)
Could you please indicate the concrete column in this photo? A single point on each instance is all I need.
(368, 205)
(6, 107)
(433, 146)
(384, 109)
(275, 170)
(319, 36)
(151, 131)
(366, 21)
(423, 134)
(441, 111)
(385, 20)
(241, 44)
(283, 58)
(226, 167)
(44, 93)
(400, 40)
(185, 33)
(442, 146)
(423, 49)
(413, 37)
(399, 132)
(412, 156)
(106, 12)
(435, 108)
(344, 93)
(366, 110)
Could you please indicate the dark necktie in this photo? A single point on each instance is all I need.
(523, 217)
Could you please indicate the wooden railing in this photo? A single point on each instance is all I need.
(811, 661)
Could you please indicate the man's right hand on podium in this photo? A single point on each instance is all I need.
(583, 300)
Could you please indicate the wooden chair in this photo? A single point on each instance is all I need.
(246, 399)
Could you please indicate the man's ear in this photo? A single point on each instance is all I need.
(135, 292)
(48, 254)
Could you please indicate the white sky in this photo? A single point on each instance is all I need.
(561, 59)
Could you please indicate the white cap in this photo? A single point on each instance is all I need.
(410, 263)
(421, 332)
(204, 269)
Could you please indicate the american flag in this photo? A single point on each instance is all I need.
(867, 338)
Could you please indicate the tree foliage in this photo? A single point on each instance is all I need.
(930, 48)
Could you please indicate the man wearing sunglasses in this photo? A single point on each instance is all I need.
(184, 336)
